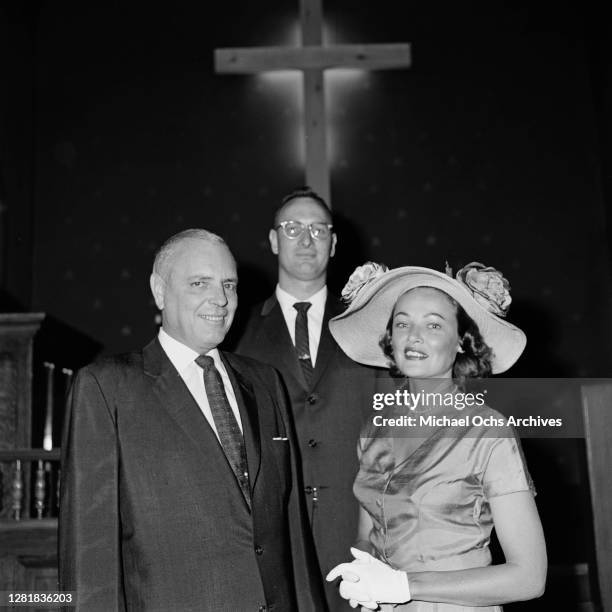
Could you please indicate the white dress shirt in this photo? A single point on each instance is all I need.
(183, 359)
(315, 316)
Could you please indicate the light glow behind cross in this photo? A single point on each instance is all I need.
(287, 84)
(312, 59)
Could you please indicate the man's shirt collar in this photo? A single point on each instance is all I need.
(286, 300)
(180, 354)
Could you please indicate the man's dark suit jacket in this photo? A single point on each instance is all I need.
(152, 517)
(328, 416)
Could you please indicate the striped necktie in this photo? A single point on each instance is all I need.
(226, 424)
(302, 345)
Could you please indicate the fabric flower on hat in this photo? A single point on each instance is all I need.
(360, 278)
(488, 286)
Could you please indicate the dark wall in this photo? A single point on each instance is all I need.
(17, 134)
(485, 150)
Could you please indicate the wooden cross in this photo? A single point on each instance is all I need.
(313, 59)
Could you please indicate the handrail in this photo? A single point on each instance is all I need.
(27, 524)
(30, 454)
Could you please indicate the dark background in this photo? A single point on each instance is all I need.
(115, 132)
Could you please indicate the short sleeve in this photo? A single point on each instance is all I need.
(364, 445)
(369, 432)
(360, 448)
(506, 470)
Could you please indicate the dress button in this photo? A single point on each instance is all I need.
(312, 398)
(312, 443)
(258, 550)
(308, 490)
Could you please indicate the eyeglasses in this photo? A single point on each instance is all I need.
(294, 229)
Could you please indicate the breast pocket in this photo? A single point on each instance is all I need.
(281, 451)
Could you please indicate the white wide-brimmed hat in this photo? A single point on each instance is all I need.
(373, 290)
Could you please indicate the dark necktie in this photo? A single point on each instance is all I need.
(302, 345)
(229, 432)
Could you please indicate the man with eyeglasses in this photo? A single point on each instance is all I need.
(328, 392)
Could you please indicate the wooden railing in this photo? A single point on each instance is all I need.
(29, 496)
(30, 484)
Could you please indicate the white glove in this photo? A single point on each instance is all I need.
(368, 581)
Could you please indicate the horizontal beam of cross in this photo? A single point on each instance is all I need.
(260, 59)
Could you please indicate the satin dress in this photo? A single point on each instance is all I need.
(429, 497)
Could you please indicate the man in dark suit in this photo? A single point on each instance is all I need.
(330, 394)
(179, 481)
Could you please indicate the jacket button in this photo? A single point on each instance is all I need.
(258, 550)
(308, 490)
(263, 608)
(312, 443)
(312, 398)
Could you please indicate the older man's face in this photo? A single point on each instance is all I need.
(302, 258)
(198, 296)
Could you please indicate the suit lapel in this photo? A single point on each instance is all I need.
(247, 405)
(327, 345)
(283, 357)
(176, 399)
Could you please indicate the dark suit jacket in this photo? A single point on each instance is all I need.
(152, 517)
(328, 416)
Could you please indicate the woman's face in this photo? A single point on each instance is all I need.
(424, 334)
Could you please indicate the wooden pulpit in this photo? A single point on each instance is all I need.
(16, 336)
(28, 526)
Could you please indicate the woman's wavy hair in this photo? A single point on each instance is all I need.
(474, 362)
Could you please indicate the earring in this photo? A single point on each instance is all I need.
(460, 349)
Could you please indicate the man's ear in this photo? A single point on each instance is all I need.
(332, 250)
(157, 289)
(273, 238)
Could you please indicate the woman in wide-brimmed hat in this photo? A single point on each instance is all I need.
(430, 498)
